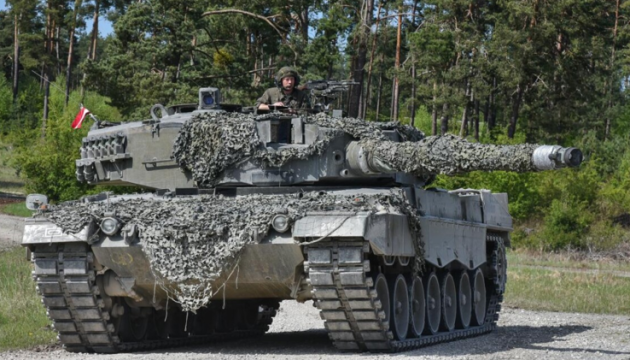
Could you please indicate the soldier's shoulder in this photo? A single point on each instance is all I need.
(272, 91)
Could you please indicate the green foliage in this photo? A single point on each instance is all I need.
(6, 102)
(615, 193)
(565, 225)
(48, 163)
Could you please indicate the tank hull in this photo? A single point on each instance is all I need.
(338, 259)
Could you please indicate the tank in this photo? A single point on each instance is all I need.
(242, 210)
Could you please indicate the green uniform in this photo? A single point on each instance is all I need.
(298, 99)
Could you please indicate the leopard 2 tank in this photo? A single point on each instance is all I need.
(242, 210)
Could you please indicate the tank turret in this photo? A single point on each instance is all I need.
(242, 210)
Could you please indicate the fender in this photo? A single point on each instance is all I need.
(388, 233)
(42, 231)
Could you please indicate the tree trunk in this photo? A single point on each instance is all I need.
(304, 24)
(380, 89)
(46, 95)
(413, 92)
(391, 102)
(358, 69)
(476, 119)
(56, 41)
(351, 89)
(91, 55)
(612, 66)
(97, 5)
(516, 104)
(444, 120)
(248, 45)
(368, 92)
(16, 57)
(395, 94)
(486, 109)
(73, 25)
(434, 111)
(179, 69)
(492, 111)
(69, 66)
(463, 130)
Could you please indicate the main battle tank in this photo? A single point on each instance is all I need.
(244, 210)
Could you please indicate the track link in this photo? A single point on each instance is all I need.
(344, 293)
(66, 281)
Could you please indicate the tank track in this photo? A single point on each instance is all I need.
(65, 279)
(343, 291)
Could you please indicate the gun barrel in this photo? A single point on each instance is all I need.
(549, 157)
(450, 155)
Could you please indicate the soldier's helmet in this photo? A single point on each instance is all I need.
(286, 71)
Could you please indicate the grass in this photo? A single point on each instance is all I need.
(545, 290)
(16, 209)
(563, 260)
(23, 321)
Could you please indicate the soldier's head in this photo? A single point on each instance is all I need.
(287, 78)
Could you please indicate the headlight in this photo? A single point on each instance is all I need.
(208, 100)
(110, 226)
(280, 223)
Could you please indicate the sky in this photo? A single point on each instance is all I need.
(104, 26)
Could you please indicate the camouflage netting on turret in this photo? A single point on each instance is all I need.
(191, 241)
(210, 143)
(448, 155)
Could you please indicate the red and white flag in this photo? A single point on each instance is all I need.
(78, 120)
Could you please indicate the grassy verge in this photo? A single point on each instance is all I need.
(563, 260)
(16, 209)
(556, 289)
(23, 321)
(535, 289)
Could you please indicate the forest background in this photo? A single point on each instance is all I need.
(503, 71)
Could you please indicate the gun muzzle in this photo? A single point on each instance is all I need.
(549, 157)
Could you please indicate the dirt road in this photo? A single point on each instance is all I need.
(11, 230)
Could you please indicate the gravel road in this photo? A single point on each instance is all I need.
(298, 333)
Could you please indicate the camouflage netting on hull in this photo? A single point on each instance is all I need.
(190, 242)
(448, 155)
(210, 143)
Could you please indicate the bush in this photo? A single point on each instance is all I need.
(615, 193)
(48, 163)
(6, 102)
(565, 226)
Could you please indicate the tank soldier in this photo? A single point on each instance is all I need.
(285, 93)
